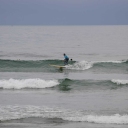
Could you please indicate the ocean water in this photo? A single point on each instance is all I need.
(90, 92)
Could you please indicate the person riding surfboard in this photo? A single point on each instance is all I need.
(66, 59)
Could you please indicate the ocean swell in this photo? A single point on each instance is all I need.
(43, 65)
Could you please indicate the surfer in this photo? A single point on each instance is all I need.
(66, 59)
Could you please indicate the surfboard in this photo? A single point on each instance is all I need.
(57, 66)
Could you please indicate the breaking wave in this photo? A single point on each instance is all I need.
(61, 84)
(120, 82)
(44, 65)
(83, 65)
(19, 112)
(104, 119)
(27, 83)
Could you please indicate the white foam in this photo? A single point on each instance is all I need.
(113, 119)
(17, 112)
(120, 81)
(82, 65)
(11, 112)
(27, 83)
(111, 61)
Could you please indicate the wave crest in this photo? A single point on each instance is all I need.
(113, 119)
(82, 65)
(27, 83)
(119, 82)
(43, 65)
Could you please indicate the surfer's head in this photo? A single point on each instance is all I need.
(64, 54)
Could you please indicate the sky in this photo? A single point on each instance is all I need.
(63, 12)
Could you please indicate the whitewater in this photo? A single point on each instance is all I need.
(12, 112)
(42, 84)
(91, 91)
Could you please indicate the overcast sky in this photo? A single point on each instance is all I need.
(63, 12)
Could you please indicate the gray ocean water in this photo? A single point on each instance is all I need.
(90, 92)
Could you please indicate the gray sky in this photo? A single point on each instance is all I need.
(63, 12)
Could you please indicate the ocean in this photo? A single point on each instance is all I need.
(90, 92)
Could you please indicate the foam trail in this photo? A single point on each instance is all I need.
(27, 83)
(120, 81)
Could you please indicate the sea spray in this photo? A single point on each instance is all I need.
(81, 65)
